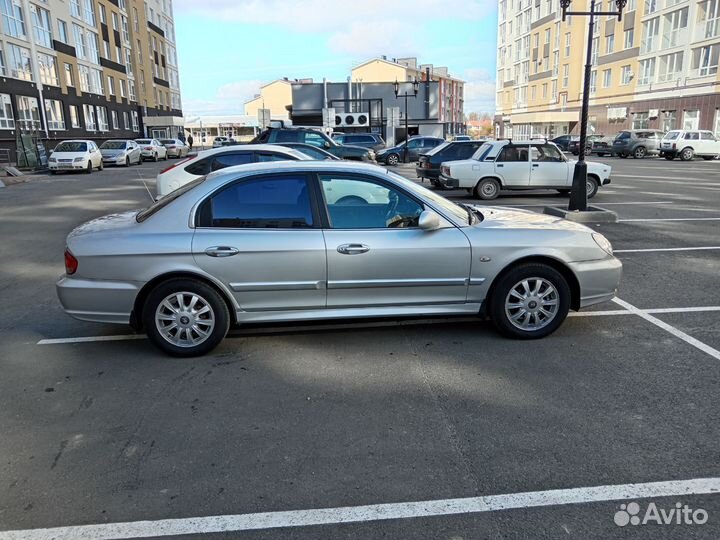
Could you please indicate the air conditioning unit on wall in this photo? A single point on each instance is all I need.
(352, 119)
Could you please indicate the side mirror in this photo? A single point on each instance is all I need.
(429, 220)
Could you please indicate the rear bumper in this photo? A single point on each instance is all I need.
(599, 280)
(430, 174)
(97, 301)
(448, 182)
(606, 181)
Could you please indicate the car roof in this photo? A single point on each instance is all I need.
(75, 140)
(245, 147)
(311, 165)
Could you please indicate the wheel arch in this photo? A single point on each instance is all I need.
(489, 177)
(136, 315)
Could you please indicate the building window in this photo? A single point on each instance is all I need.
(625, 75)
(705, 60)
(74, 118)
(111, 85)
(69, 76)
(19, 62)
(640, 120)
(139, 52)
(670, 67)
(28, 113)
(609, 43)
(126, 120)
(7, 120)
(89, 117)
(90, 12)
(54, 114)
(593, 82)
(717, 123)
(12, 18)
(135, 125)
(84, 76)
(650, 34)
(125, 31)
(669, 119)
(115, 24)
(631, 5)
(128, 62)
(567, 44)
(556, 64)
(3, 68)
(544, 91)
(629, 37)
(41, 24)
(131, 91)
(596, 48)
(708, 16)
(553, 95)
(675, 28)
(650, 6)
(93, 53)
(103, 15)
(647, 71)
(75, 9)
(48, 70)
(691, 119)
(114, 116)
(102, 118)
(566, 76)
(62, 31)
(123, 92)
(96, 82)
(79, 36)
(607, 78)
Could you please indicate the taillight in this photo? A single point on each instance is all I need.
(175, 165)
(674, 146)
(71, 263)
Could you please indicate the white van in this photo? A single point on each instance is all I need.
(687, 144)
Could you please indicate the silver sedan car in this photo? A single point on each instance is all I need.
(290, 241)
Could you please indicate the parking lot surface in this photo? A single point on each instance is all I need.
(369, 429)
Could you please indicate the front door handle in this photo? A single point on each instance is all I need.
(221, 251)
(353, 249)
(535, 165)
(500, 165)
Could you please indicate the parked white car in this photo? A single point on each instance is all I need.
(516, 165)
(219, 141)
(152, 149)
(207, 161)
(686, 144)
(76, 155)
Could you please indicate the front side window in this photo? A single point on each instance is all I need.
(546, 152)
(413, 144)
(362, 203)
(315, 139)
(280, 202)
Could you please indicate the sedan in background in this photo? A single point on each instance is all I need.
(207, 161)
(152, 149)
(563, 141)
(428, 165)
(408, 151)
(311, 151)
(122, 152)
(175, 148)
(75, 155)
(272, 242)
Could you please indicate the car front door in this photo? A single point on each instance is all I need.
(512, 165)
(413, 150)
(261, 237)
(548, 167)
(378, 256)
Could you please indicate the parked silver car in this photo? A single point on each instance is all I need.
(288, 241)
(121, 152)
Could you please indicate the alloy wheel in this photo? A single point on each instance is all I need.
(393, 159)
(532, 304)
(185, 319)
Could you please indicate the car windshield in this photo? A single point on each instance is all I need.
(143, 141)
(167, 141)
(142, 215)
(71, 146)
(482, 152)
(113, 145)
(440, 201)
(672, 135)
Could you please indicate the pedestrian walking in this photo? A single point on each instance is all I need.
(190, 141)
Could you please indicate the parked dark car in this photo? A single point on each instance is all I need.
(415, 146)
(602, 146)
(310, 150)
(563, 141)
(367, 140)
(314, 137)
(574, 145)
(637, 143)
(428, 165)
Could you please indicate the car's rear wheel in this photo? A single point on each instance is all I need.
(669, 157)
(640, 152)
(530, 301)
(393, 159)
(591, 187)
(487, 189)
(185, 317)
(687, 154)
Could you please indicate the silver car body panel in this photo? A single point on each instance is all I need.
(298, 274)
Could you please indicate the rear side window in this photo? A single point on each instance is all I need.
(228, 160)
(200, 167)
(692, 135)
(278, 202)
(513, 153)
(286, 136)
(706, 135)
(268, 156)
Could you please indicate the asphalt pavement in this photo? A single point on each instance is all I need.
(381, 429)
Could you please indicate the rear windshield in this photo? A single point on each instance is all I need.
(142, 215)
(113, 145)
(167, 141)
(71, 146)
(672, 135)
(437, 149)
(143, 141)
(482, 152)
(623, 135)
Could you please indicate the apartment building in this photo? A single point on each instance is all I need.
(657, 68)
(92, 69)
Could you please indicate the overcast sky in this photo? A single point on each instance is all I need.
(228, 48)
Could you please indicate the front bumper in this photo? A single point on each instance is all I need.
(97, 301)
(115, 160)
(599, 280)
(75, 166)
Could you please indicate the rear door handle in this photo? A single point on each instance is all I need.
(353, 249)
(500, 165)
(535, 165)
(221, 251)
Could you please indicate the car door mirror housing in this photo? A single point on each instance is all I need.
(429, 220)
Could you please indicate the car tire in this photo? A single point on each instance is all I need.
(623, 156)
(513, 307)
(101, 166)
(487, 189)
(162, 307)
(591, 186)
(669, 157)
(392, 160)
(640, 152)
(127, 161)
(89, 168)
(687, 154)
(708, 158)
(155, 157)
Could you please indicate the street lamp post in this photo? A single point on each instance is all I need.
(406, 95)
(578, 195)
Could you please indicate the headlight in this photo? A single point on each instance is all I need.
(52, 160)
(371, 154)
(78, 159)
(603, 242)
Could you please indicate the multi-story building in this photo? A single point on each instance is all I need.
(657, 68)
(92, 69)
(275, 96)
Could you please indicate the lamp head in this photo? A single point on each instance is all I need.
(564, 5)
(396, 86)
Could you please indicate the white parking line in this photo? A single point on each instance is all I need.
(370, 512)
(654, 250)
(510, 205)
(668, 328)
(88, 339)
(670, 219)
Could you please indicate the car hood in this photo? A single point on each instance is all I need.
(111, 152)
(67, 155)
(515, 218)
(109, 223)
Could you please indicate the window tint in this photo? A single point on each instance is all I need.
(623, 135)
(262, 156)
(414, 143)
(432, 143)
(228, 160)
(200, 167)
(359, 139)
(692, 135)
(546, 152)
(287, 136)
(513, 153)
(360, 203)
(672, 135)
(263, 203)
(706, 135)
(314, 139)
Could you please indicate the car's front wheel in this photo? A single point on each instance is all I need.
(127, 161)
(530, 301)
(185, 317)
(591, 186)
(487, 189)
(393, 159)
(89, 167)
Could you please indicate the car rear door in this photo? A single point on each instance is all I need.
(512, 165)
(548, 167)
(378, 256)
(261, 237)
